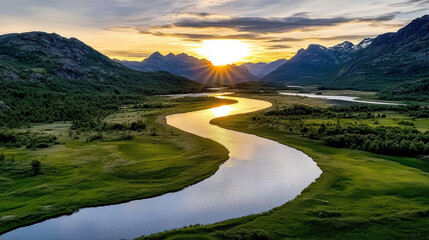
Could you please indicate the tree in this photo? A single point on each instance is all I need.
(35, 167)
(2, 157)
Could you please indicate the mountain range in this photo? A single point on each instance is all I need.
(46, 58)
(390, 59)
(261, 69)
(374, 64)
(309, 65)
(200, 70)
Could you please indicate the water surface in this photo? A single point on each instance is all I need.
(340, 98)
(259, 175)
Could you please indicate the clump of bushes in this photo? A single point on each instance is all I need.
(406, 123)
(98, 136)
(139, 126)
(10, 167)
(403, 141)
(352, 111)
(243, 234)
(27, 139)
(35, 167)
(380, 139)
(326, 214)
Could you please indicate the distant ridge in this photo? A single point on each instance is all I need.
(200, 70)
(262, 69)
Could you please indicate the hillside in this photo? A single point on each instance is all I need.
(310, 65)
(411, 90)
(43, 57)
(193, 68)
(45, 77)
(392, 58)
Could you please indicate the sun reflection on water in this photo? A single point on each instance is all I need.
(222, 111)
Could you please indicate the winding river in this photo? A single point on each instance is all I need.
(259, 175)
(338, 98)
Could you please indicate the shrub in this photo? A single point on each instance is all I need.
(35, 167)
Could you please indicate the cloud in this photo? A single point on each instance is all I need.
(286, 39)
(199, 15)
(408, 2)
(337, 37)
(275, 25)
(198, 37)
(343, 37)
(210, 3)
(279, 46)
(127, 53)
(194, 14)
(251, 36)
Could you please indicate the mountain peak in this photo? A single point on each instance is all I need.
(312, 47)
(156, 54)
(346, 46)
(417, 28)
(48, 57)
(391, 58)
(71, 56)
(183, 55)
(193, 68)
(364, 43)
(47, 43)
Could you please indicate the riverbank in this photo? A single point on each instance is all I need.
(124, 165)
(249, 182)
(360, 195)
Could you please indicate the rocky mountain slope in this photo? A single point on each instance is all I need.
(375, 64)
(391, 58)
(309, 65)
(42, 57)
(193, 68)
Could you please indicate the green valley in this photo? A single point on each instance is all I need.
(119, 165)
(227, 120)
(360, 195)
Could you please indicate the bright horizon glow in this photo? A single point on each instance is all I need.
(132, 30)
(222, 52)
(222, 111)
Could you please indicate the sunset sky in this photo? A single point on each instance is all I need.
(273, 29)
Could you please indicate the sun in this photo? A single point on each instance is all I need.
(222, 52)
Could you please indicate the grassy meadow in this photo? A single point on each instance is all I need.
(89, 168)
(360, 195)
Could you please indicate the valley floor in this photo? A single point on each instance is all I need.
(360, 195)
(91, 169)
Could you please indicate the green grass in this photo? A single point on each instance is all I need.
(393, 119)
(80, 174)
(359, 195)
